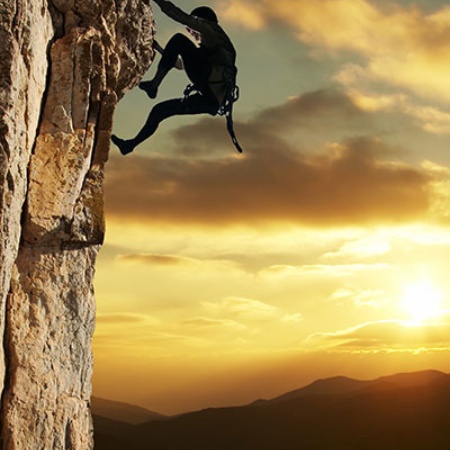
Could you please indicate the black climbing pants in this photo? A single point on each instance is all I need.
(197, 67)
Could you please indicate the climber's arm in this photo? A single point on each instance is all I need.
(180, 16)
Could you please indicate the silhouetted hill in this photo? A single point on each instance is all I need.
(328, 386)
(122, 411)
(391, 413)
(414, 378)
(113, 421)
(110, 434)
(343, 385)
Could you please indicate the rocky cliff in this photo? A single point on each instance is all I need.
(63, 66)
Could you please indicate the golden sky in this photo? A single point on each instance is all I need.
(320, 251)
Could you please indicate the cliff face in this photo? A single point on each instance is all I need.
(63, 66)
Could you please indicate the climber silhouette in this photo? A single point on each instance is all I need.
(206, 65)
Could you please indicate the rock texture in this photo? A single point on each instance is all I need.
(63, 66)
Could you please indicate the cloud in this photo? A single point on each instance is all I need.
(121, 318)
(234, 312)
(207, 322)
(243, 308)
(387, 335)
(130, 342)
(401, 45)
(321, 108)
(365, 247)
(344, 183)
(281, 272)
(161, 260)
(253, 18)
(431, 119)
(358, 297)
(440, 186)
(292, 318)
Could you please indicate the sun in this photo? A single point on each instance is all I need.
(422, 300)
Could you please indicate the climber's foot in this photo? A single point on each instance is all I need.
(150, 88)
(125, 146)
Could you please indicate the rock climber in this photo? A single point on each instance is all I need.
(209, 64)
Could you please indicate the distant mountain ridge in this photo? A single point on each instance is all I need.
(122, 412)
(344, 385)
(400, 412)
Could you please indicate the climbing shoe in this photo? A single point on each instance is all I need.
(150, 88)
(125, 146)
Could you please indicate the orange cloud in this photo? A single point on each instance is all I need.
(349, 186)
(253, 17)
(403, 45)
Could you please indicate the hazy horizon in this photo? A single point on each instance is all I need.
(298, 388)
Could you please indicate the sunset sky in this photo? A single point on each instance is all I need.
(323, 250)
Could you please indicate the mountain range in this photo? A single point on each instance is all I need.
(408, 411)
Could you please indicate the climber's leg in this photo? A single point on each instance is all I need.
(194, 104)
(193, 59)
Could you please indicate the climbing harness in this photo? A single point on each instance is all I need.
(231, 95)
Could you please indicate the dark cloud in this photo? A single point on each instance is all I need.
(325, 114)
(321, 109)
(164, 260)
(273, 181)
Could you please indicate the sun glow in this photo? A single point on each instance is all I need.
(422, 300)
